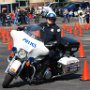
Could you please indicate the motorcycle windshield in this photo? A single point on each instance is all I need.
(34, 31)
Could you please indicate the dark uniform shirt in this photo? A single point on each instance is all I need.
(50, 33)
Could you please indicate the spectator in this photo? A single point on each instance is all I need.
(81, 15)
(80, 11)
(37, 16)
(3, 18)
(88, 9)
(27, 19)
(32, 10)
(87, 15)
(16, 20)
(71, 14)
(75, 13)
(66, 15)
(81, 18)
(12, 16)
(0, 19)
(8, 19)
(28, 10)
(84, 11)
(30, 18)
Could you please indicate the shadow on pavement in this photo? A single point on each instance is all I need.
(67, 77)
(17, 84)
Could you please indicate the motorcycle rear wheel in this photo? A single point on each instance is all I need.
(7, 80)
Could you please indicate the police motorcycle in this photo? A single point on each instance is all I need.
(29, 53)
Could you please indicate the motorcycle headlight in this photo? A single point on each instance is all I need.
(22, 54)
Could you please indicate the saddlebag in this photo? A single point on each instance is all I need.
(69, 64)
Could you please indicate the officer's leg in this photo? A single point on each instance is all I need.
(45, 64)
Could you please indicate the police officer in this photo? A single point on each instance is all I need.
(50, 31)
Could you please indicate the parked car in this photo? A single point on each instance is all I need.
(46, 10)
(74, 6)
(55, 6)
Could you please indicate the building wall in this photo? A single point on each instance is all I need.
(7, 1)
(37, 3)
(1, 1)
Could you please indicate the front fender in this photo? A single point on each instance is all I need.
(13, 67)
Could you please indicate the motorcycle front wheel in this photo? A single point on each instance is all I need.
(7, 80)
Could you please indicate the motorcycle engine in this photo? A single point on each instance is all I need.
(47, 74)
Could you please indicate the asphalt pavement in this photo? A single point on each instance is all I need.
(70, 82)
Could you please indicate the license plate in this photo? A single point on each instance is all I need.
(74, 49)
(73, 68)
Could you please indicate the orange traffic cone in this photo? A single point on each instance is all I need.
(10, 44)
(75, 29)
(8, 36)
(80, 30)
(70, 29)
(0, 32)
(81, 50)
(86, 26)
(64, 26)
(85, 72)
(62, 33)
(3, 37)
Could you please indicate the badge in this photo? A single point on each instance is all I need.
(43, 28)
(58, 30)
(52, 30)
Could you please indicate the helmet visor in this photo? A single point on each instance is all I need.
(53, 19)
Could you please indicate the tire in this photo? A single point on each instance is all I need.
(8, 79)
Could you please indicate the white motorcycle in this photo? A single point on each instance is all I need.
(29, 54)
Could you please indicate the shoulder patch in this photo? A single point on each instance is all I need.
(58, 30)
